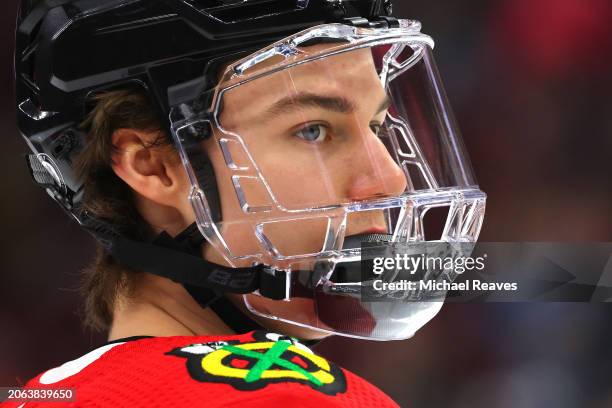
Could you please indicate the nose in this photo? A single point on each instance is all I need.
(376, 174)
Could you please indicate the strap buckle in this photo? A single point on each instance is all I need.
(274, 283)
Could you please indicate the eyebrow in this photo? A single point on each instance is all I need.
(337, 104)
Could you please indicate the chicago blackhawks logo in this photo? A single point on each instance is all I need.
(271, 358)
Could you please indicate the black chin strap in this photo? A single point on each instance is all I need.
(239, 322)
(190, 242)
(179, 259)
(165, 259)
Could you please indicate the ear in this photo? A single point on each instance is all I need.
(154, 172)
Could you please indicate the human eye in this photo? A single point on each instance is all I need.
(314, 132)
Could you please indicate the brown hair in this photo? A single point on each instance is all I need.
(109, 198)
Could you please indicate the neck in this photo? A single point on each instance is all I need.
(160, 307)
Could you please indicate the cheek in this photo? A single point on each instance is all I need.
(303, 177)
(298, 179)
(296, 186)
(290, 237)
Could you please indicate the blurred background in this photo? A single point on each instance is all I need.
(530, 84)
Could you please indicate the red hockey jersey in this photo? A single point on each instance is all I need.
(256, 369)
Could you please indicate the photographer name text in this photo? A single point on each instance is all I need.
(431, 285)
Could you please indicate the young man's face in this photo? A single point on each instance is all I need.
(312, 132)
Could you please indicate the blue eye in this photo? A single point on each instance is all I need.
(312, 133)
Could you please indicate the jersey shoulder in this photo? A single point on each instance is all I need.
(256, 369)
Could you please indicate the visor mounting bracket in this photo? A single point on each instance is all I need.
(274, 283)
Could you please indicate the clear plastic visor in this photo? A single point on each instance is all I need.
(331, 130)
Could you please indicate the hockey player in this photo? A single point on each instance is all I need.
(231, 158)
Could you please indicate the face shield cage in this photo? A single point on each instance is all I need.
(331, 137)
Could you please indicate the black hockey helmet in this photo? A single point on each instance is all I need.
(69, 50)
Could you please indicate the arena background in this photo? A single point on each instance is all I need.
(530, 84)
